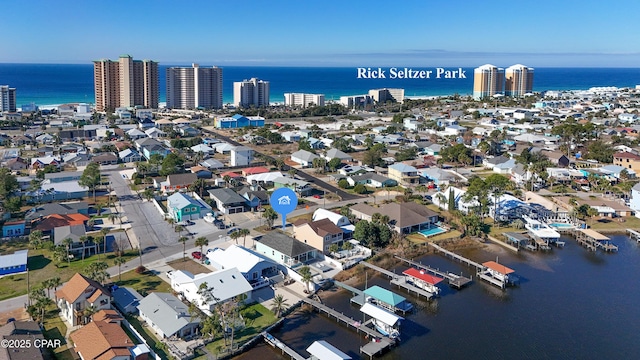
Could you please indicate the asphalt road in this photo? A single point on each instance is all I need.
(307, 177)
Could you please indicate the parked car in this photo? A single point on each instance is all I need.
(196, 255)
(230, 231)
(317, 196)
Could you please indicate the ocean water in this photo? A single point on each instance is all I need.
(571, 304)
(47, 84)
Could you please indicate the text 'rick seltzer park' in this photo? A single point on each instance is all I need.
(408, 73)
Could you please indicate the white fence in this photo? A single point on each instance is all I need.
(140, 338)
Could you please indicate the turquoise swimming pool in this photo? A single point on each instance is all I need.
(561, 225)
(433, 231)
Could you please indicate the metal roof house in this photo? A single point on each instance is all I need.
(14, 263)
(167, 315)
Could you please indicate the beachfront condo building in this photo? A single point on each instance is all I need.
(384, 95)
(518, 80)
(303, 100)
(251, 92)
(488, 80)
(194, 87)
(7, 99)
(125, 83)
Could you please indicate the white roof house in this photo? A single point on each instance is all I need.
(167, 315)
(202, 148)
(337, 219)
(223, 285)
(264, 177)
(253, 266)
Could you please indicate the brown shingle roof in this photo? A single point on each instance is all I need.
(75, 287)
(56, 220)
(402, 215)
(320, 227)
(107, 316)
(626, 155)
(101, 340)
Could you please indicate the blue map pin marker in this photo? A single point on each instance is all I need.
(283, 201)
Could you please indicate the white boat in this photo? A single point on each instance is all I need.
(540, 230)
(385, 322)
(209, 218)
(422, 280)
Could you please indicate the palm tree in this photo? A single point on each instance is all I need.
(279, 305)
(202, 242)
(179, 229)
(67, 243)
(88, 312)
(119, 261)
(305, 273)
(235, 235)
(104, 232)
(270, 216)
(227, 179)
(244, 233)
(183, 240)
(83, 239)
(97, 240)
(112, 217)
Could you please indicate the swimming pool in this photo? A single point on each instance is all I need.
(561, 225)
(433, 231)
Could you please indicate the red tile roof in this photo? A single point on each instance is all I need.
(56, 220)
(498, 267)
(420, 274)
(231, 174)
(255, 170)
(626, 155)
(76, 286)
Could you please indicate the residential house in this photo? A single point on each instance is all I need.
(264, 179)
(371, 179)
(186, 130)
(183, 207)
(44, 151)
(126, 299)
(438, 176)
(177, 182)
(256, 268)
(63, 176)
(241, 156)
(404, 174)
(315, 143)
(45, 139)
(102, 340)
(107, 158)
(76, 159)
(405, 218)
(41, 162)
(491, 162)
(76, 234)
(557, 158)
(148, 147)
(50, 222)
(135, 134)
(255, 198)
(65, 190)
(212, 164)
(519, 175)
(14, 335)
(238, 121)
(304, 158)
(21, 140)
(627, 160)
(13, 263)
(299, 186)
(340, 221)
(201, 172)
(335, 153)
(78, 294)
(42, 210)
(634, 202)
(168, 316)
(13, 228)
(291, 136)
(228, 201)
(284, 249)
(223, 148)
(320, 234)
(155, 133)
(505, 167)
(202, 148)
(254, 170)
(16, 164)
(222, 286)
(614, 172)
(129, 156)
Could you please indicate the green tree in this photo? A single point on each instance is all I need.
(171, 164)
(279, 305)
(343, 184)
(305, 145)
(451, 206)
(35, 239)
(183, 240)
(67, 244)
(334, 163)
(360, 189)
(97, 240)
(202, 242)
(97, 271)
(119, 261)
(270, 216)
(8, 183)
(306, 277)
(91, 178)
(244, 233)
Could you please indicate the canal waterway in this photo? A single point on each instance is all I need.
(570, 304)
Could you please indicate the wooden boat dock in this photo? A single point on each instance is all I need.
(457, 281)
(401, 281)
(634, 234)
(273, 341)
(455, 256)
(378, 342)
(593, 240)
(386, 272)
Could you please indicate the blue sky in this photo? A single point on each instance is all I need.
(543, 33)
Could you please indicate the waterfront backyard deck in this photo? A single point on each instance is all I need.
(457, 281)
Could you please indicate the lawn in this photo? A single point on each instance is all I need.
(55, 328)
(630, 222)
(257, 318)
(42, 267)
(144, 283)
(189, 265)
(419, 239)
(157, 346)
